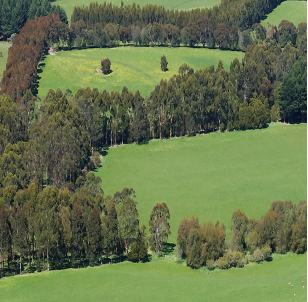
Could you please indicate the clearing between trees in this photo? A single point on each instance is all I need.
(212, 175)
(293, 11)
(137, 68)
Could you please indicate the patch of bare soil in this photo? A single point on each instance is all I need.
(52, 52)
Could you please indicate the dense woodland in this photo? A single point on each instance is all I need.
(15, 13)
(242, 14)
(53, 213)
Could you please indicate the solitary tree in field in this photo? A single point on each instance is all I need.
(106, 64)
(163, 63)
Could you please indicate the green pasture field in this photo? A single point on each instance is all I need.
(294, 11)
(212, 175)
(69, 5)
(4, 48)
(133, 67)
(164, 280)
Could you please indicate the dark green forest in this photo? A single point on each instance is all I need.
(53, 212)
(15, 13)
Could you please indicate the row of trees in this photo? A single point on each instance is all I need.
(282, 229)
(54, 229)
(201, 32)
(242, 14)
(24, 56)
(15, 13)
(58, 141)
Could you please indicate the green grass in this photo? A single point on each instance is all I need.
(69, 5)
(4, 48)
(163, 280)
(134, 67)
(294, 11)
(212, 175)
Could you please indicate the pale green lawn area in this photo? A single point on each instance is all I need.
(4, 48)
(212, 175)
(133, 67)
(164, 280)
(294, 11)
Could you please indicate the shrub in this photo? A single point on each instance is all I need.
(261, 254)
(231, 259)
(210, 264)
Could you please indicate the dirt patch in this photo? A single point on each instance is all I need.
(101, 72)
(52, 52)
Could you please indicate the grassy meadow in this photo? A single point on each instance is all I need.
(164, 280)
(4, 48)
(69, 5)
(294, 11)
(212, 175)
(133, 67)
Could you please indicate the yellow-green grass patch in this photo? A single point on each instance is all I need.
(137, 68)
(4, 49)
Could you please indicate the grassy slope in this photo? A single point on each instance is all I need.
(212, 175)
(134, 67)
(4, 48)
(69, 5)
(294, 11)
(163, 280)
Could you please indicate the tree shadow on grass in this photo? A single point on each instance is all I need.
(144, 142)
(104, 151)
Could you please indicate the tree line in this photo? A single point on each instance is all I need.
(282, 229)
(242, 14)
(43, 229)
(15, 13)
(24, 56)
(57, 141)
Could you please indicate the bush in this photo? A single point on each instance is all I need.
(231, 259)
(222, 263)
(261, 254)
(210, 264)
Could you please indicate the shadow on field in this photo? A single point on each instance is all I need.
(104, 151)
(144, 142)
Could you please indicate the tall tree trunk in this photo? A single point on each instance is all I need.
(43, 260)
(29, 256)
(20, 264)
(111, 135)
(47, 259)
